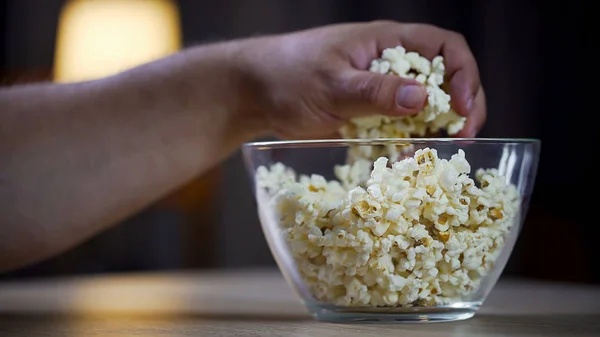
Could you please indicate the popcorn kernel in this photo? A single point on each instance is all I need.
(495, 214)
(444, 236)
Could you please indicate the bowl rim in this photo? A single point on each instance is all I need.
(272, 144)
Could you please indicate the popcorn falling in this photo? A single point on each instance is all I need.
(437, 114)
(419, 233)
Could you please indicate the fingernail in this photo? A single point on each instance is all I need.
(410, 96)
(470, 102)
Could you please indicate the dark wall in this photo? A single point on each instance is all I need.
(2, 32)
(533, 59)
(31, 29)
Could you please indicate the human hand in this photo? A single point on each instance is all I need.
(308, 83)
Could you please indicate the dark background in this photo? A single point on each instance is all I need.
(537, 63)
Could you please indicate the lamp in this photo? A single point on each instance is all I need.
(98, 38)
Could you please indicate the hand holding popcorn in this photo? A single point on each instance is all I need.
(310, 83)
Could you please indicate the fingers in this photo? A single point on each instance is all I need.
(464, 83)
(476, 118)
(387, 94)
(384, 94)
(461, 66)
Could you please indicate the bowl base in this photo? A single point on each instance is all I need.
(335, 314)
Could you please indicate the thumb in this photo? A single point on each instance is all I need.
(390, 94)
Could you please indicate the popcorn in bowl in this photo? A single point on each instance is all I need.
(418, 233)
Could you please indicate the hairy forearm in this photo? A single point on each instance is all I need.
(77, 158)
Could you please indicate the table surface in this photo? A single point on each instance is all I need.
(259, 303)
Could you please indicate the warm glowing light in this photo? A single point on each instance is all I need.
(98, 38)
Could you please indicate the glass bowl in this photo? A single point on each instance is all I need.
(392, 230)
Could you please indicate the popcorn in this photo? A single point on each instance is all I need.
(418, 233)
(437, 114)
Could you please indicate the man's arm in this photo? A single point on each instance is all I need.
(76, 158)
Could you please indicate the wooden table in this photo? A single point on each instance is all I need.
(259, 303)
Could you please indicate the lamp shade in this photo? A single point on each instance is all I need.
(98, 38)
